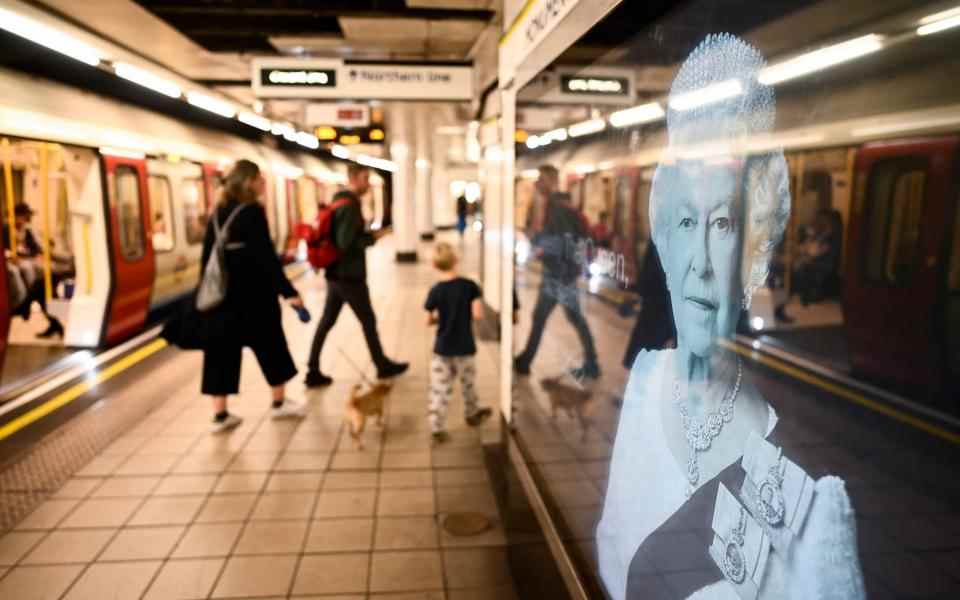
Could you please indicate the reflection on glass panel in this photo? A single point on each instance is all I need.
(754, 252)
(904, 236)
(161, 221)
(896, 207)
(127, 204)
(194, 215)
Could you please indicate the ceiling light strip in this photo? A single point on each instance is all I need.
(48, 37)
(147, 79)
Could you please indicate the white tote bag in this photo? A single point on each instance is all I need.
(213, 287)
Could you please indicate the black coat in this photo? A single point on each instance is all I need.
(562, 234)
(254, 272)
(255, 278)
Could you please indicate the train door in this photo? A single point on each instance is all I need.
(901, 221)
(622, 224)
(134, 265)
(161, 236)
(641, 223)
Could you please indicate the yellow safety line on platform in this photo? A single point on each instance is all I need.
(74, 392)
(843, 392)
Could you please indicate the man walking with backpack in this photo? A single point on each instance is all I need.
(347, 278)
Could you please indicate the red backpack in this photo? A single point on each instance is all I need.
(322, 251)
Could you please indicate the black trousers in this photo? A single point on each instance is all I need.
(221, 362)
(357, 295)
(551, 292)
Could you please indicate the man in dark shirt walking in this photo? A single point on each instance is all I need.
(556, 244)
(347, 281)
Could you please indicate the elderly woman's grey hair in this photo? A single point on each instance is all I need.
(723, 59)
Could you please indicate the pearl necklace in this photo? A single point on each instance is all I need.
(700, 435)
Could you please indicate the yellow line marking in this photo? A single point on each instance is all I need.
(844, 392)
(527, 7)
(79, 389)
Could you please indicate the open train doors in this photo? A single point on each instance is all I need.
(132, 259)
(903, 211)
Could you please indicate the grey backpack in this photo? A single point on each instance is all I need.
(213, 287)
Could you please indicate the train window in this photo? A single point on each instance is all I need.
(621, 214)
(129, 219)
(194, 210)
(293, 203)
(895, 208)
(161, 219)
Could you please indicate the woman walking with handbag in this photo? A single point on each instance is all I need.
(248, 313)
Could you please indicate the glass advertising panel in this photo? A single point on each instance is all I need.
(712, 416)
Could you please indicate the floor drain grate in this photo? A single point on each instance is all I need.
(466, 524)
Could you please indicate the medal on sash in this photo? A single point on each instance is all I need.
(740, 545)
(777, 491)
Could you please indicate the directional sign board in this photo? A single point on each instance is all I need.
(330, 78)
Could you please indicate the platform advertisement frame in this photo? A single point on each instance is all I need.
(542, 30)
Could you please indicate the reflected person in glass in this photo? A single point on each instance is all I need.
(717, 212)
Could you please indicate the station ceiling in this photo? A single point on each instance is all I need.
(213, 41)
(422, 29)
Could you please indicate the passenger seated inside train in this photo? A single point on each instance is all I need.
(25, 266)
(817, 267)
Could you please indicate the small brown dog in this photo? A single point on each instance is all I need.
(574, 400)
(363, 405)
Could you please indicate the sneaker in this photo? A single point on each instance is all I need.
(479, 417)
(317, 379)
(289, 410)
(521, 367)
(392, 370)
(439, 437)
(231, 422)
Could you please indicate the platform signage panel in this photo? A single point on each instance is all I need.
(594, 84)
(307, 78)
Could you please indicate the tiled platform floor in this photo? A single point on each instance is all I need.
(278, 509)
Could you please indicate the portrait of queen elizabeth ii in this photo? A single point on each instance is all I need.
(717, 211)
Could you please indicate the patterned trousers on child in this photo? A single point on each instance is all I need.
(442, 371)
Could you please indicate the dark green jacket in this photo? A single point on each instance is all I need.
(351, 239)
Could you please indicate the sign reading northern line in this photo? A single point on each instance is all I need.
(326, 78)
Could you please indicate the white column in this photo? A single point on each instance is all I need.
(402, 152)
(424, 166)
